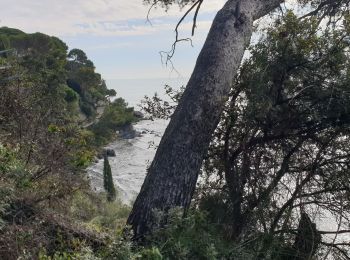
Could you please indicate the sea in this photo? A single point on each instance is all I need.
(133, 156)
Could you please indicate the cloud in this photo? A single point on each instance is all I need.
(93, 17)
(127, 28)
(114, 33)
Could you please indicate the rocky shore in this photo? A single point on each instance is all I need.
(129, 158)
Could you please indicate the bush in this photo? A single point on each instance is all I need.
(192, 237)
(87, 109)
(115, 116)
(99, 214)
(70, 95)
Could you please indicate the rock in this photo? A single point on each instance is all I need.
(127, 132)
(139, 114)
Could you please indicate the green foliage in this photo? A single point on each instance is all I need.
(288, 112)
(151, 254)
(97, 213)
(8, 165)
(112, 217)
(275, 152)
(10, 31)
(78, 56)
(46, 60)
(71, 95)
(291, 97)
(44, 150)
(111, 93)
(13, 170)
(108, 183)
(192, 237)
(4, 42)
(87, 109)
(120, 249)
(83, 79)
(85, 253)
(115, 116)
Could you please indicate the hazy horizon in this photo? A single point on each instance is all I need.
(134, 90)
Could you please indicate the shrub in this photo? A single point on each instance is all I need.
(70, 95)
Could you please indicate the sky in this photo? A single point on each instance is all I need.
(117, 37)
(115, 34)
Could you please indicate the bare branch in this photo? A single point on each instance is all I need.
(195, 17)
(149, 11)
(170, 53)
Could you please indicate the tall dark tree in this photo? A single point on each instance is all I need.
(282, 145)
(108, 183)
(172, 176)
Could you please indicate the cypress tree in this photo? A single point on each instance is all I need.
(108, 180)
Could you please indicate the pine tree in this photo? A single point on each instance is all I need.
(108, 180)
(173, 174)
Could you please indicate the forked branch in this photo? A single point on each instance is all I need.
(169, 54)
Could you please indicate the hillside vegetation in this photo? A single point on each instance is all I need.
(274, 183)
(55, 114)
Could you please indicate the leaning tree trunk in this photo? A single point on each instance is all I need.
(172, 176)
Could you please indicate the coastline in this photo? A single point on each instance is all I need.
(129, 166)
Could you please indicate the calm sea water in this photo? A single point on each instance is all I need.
(134, 155)
(131, 161)
(133, 90)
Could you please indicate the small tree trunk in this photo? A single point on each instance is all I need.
(172, 176)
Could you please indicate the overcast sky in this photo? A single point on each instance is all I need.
(114, 33)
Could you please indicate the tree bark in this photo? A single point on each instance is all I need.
(172, 176)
